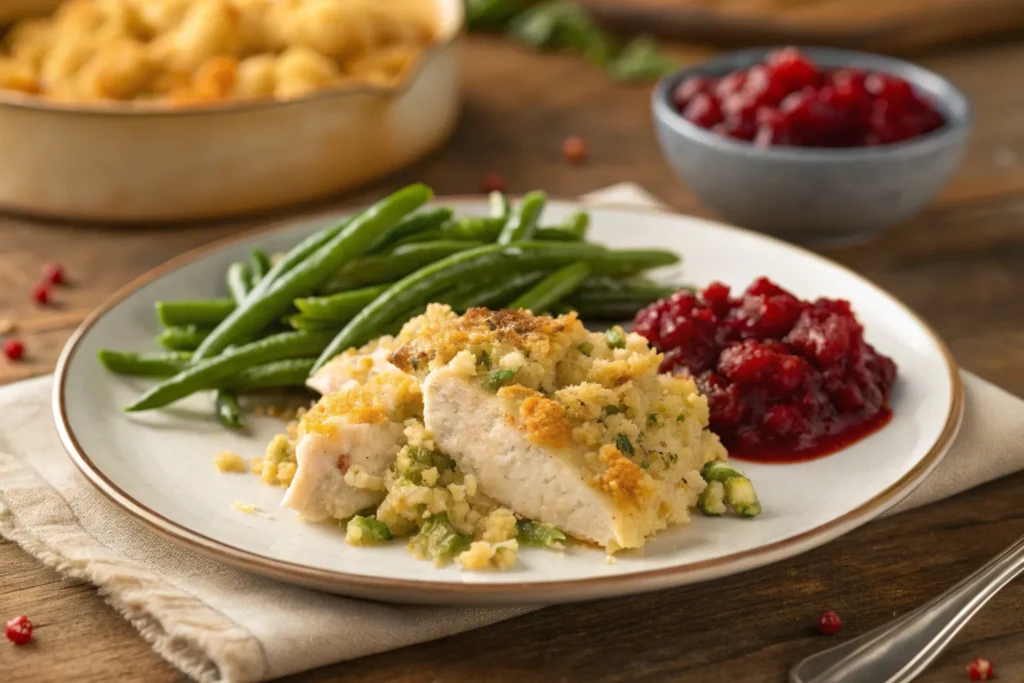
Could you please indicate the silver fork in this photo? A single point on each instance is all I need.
(900, 650)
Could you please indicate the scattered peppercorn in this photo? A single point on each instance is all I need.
(41, 293)
(19, 630)
(53, 273)
(980, 670)
(574, 149)
(493, 182)
(829, 623)
(14, 349)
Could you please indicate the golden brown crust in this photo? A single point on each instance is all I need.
(622, 479)
(444, 336)
(370, 403)
(545, 422)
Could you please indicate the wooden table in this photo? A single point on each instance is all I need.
(961, 265)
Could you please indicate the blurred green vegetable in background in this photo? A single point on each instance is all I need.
(566, 26)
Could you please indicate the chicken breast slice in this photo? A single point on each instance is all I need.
(355, 366)
(319, 491)
(472, 426)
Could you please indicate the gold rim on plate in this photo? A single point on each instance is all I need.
(410, 590)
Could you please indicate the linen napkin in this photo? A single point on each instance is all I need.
(217, 623)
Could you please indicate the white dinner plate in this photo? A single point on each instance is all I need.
(159, 466)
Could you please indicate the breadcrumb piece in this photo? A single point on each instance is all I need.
(244, 507)
(226, 461)
(486, 555)
(249, 509)
(286, 472)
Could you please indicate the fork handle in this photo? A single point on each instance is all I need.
(897, 652)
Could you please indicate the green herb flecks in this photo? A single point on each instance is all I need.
(366, 530)
(615, 338)
(640, 60)
(439, 540)
(563, 25)
(497, 378)
(538, 534)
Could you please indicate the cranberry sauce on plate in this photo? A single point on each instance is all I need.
(786, 379)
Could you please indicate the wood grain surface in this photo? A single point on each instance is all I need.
(961, 265)
(902, 27)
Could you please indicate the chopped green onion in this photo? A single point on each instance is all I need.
(366, 530)
(615, 337)
(439, 540)
(586, 348)
(623, 444)
(496, 378)
(538, 534)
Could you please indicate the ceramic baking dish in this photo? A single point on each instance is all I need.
(116, 162)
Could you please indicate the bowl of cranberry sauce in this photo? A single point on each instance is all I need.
(786, 379)
(812, 144)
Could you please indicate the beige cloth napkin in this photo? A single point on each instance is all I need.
(217, 623)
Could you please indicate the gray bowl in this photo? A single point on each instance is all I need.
(815, 194)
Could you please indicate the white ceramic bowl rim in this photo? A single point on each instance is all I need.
(946, 97)
(452, 23)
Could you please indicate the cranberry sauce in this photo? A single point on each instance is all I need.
(788, 100)
(786, 379)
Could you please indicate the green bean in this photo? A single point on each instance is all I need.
(521, 225)
(556, 233)
(474, 228)
(144, 364)
(393, 327)
(204, 312)
(610, 311)
(578, 224)
(431, 235)
(209, 372)
(182, 337)
(605, 283)
(372, 270)
(563, 309)
(263, 307)
(500, 208)
(553, 288)
(297, 254)
(239, 283)
(447, 297)
(624, 262)
(572, 229)
(304, 323)
(418, 287)
(640, 294)
(259, 266)
(225, 406)
(339, 307)
(498, 292)
(413, 224)
(276, 375)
